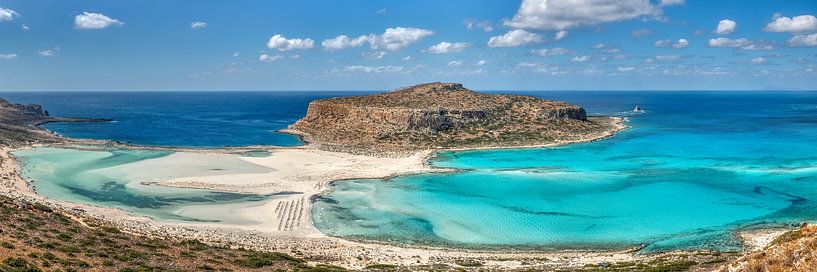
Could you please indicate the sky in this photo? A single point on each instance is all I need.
(100, 45)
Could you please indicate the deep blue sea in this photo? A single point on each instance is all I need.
(694, 167)
(189, 119)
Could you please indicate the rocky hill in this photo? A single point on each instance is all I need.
(446, 115)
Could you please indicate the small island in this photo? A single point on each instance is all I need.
(443, 116)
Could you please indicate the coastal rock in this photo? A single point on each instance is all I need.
(442, 115)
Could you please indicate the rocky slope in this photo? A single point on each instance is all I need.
(445, 115)
(18, 123)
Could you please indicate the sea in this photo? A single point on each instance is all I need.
(694, 168)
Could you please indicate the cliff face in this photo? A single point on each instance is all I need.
(443, 115)
(18, 123)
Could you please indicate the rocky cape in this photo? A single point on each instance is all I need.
(18, 123)
(445, 115)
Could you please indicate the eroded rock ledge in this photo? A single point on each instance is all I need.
(445, 115)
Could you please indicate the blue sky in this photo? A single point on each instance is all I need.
(487, 45)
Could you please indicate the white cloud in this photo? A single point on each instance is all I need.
(407, 58)
(295, 57)
(480, 63)
(558, 51)
(625, 69)
(374, 55)
(447, 47)
(89, 20)
(8, 56)
(726, 27)
(662, 43)
(515, 38)
(560, 35)
(681, 43)
(392, 39)
(268, 58)
(236, 54)
(373, 69)
(638, 33)
(759, 60)
(47, 53)
(580, 58)
(803, 40)
(484, 25)
(564, 14)
(802, 23)
(671, 2)
(741, 43)
(198, 25)
(7, 14)
(25, 27)
(343, 42)
(454, 63)
(397, 38)
(380, 11)
(281, 43)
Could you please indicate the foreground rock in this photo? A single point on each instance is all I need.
(446, 115)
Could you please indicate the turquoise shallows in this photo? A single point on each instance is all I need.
(693, 168)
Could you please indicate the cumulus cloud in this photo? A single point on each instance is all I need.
(802, 23)
(480, 63)
(373, 69)
(374, 55)
(89, 20)
(558, 51)
(726, 27)
(397, 38)
(447, 47)
(47, 53)
(198, 25)
(7, 14)
(564, 14)
(580, 58)
(281, 43)
(343, 42)
(681, 43)
(758, 60)
(25, 27)
(741, 43)
(803, 40)
(515, 38)
(484, 25)
(8, 56)
(560, 35)
(455, 63)
(393, 39)
(268, 58)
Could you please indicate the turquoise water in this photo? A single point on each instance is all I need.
(110, 179)
(690, 171)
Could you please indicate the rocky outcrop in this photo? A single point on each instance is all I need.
(443, 115)
(18, 123)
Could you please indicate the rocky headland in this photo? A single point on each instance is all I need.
(446, 115)
(18, 123)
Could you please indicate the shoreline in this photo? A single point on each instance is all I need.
(308, 242)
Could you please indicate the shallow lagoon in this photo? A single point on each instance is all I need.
(121, 179)
(693, 169)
